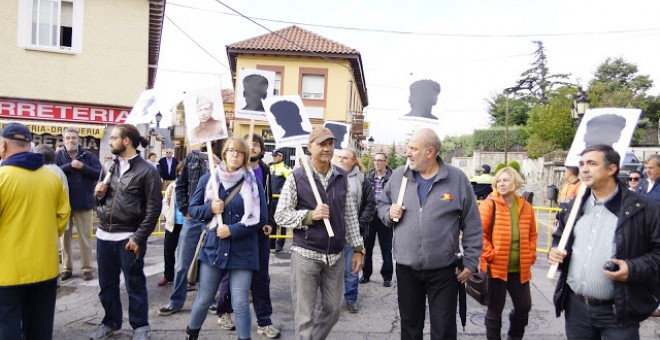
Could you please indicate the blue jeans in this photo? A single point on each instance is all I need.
(185, 251)
(239, 284)
(28, 311)
(595, 322)
(350, 279)
(113, 259)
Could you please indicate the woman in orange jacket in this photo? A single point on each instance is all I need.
(508, 253)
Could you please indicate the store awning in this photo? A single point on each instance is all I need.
(51, 128)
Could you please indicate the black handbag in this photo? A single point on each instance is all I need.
(477, 284)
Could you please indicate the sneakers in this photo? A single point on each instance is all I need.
(269, 331)
(141, 333)
(103, 332)
(163, 281)
(213, 309)
(88, 276)
(66, 275)
(226, 322)
(168, 310)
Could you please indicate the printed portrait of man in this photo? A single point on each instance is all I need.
(255, 88)
(208, 127)
(423, 96)
(287, 115)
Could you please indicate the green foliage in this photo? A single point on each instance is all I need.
(550, 126)
(367, 160)
(457, 146)
(394, 160)
(515, 165)
(518, 111)
(498, 168)
(493, 139)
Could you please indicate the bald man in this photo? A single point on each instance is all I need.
(438, 204)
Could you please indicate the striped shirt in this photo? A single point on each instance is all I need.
(593, 245)
(379, 183)
(287, 216)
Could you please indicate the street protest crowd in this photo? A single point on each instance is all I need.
(223, 202)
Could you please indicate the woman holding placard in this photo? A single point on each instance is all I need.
(230, 247)
(509, 251)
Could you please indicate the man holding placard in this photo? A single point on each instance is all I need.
(316, 256)
(437, 206)
(609, 268)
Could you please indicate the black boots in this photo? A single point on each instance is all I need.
(192, 334)
(493, 328)
(516, 327)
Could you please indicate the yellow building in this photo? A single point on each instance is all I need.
(76, 63)
(327, 75)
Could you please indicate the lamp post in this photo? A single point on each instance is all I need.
(370, 143)
(159, 117)
(580, 105)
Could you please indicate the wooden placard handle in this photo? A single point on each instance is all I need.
(568, 229)
(315, 190)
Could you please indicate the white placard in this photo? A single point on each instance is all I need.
(423, 97)
(342, 131)
(145, 108)
(205, 115)
(252, 87)
(611, 126)
(288, 120)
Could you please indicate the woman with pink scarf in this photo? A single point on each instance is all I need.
(230, 248)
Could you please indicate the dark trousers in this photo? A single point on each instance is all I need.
(260, 288)
(282, 230)
(27, 311)
(520, 296)
(413, 288)
(113, 259)
(585, 322)
(377, 228)
(169, 250)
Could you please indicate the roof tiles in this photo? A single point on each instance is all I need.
(303, 41)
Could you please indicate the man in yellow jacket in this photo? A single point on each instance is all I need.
(34, 210)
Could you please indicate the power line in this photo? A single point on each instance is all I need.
(437, 34)
(196, 43)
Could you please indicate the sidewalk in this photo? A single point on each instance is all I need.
(79, 312)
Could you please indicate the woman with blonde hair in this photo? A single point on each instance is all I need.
(230, 248)
(509, 251)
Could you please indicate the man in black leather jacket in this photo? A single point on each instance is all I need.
(128, 207)
(617, 225)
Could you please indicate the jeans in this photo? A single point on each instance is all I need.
(28, 311)
(82, 219)
(185, 251)
(239, 282)
(308, 277)
(377, 228)
(350, 279)
(113, 259)
(597, 322)
(261, 285)
(169, 251)
(413, 288)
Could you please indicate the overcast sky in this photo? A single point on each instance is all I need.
(474, 49)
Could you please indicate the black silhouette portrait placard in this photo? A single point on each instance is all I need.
(252, 87)
(422, 98)
(205, 115)
(611, 126)
(288, 120)
(341, 131)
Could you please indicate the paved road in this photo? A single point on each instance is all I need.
(79, 312)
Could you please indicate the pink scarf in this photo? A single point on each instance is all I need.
(249, 192)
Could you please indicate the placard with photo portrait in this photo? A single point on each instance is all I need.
(205, 115)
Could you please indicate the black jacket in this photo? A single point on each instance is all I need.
(133, 202)
(637, 240)
(371, 176)
(81, 181)
(194, 167)
(367, 208)
(165, 173)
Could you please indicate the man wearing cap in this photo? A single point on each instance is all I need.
(482, 184)
(317, 262)
(34, 211)
(279, 172)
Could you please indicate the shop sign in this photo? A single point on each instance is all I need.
(15, 108)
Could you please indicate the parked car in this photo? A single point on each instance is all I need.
(630, 162)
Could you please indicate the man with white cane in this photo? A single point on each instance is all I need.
(609, 257)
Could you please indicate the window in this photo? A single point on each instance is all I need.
(313, 86)
(279, 70)
(278, 83)
(54, 25)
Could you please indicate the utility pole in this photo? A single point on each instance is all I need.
(506, 127)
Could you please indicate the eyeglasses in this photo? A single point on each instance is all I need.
(233, 151)
(379, 160)
(633, 179)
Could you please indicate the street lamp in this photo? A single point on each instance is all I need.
(580, 105)
(159, 117)
(370, 143)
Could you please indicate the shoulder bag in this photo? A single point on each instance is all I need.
(193, 272)
(477, 284)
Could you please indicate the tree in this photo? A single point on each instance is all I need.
(550, 126)
(394, 160)
(537, 82)
(518, 110)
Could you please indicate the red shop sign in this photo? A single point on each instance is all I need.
(14, 108)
